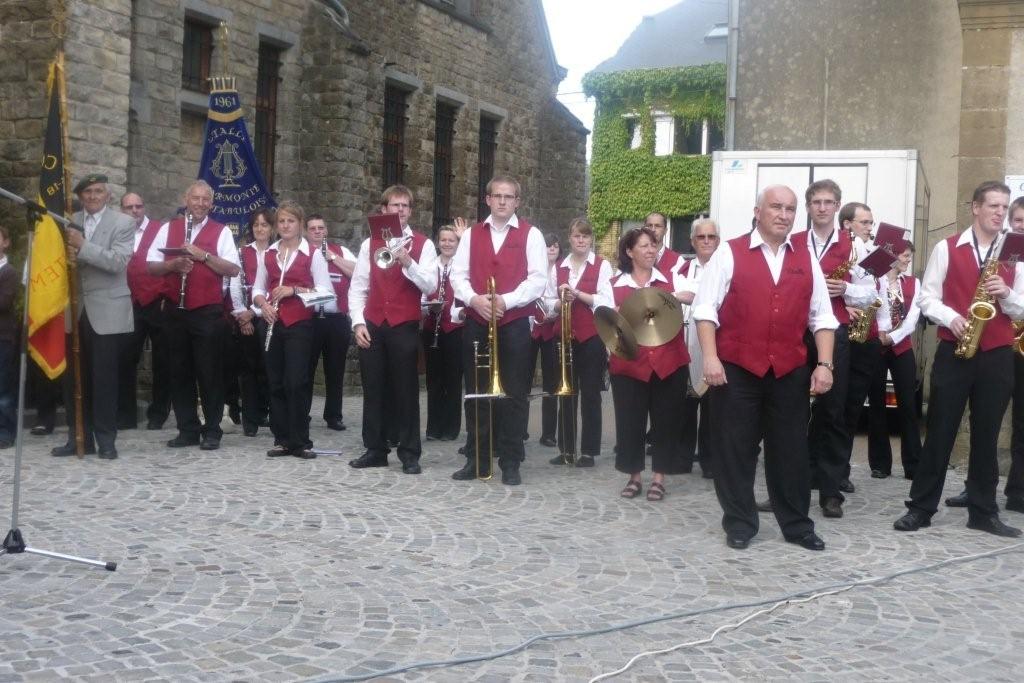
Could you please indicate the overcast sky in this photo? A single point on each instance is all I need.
(587, 32)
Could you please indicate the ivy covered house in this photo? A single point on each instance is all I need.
(660, 113)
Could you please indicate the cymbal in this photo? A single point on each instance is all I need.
(655, 315)
(615, 332)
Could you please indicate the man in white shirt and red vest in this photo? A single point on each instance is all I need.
(332, 327)
(196, 327)
(509, 249)
(757, 297)
(984, 381)
(668, 260)
(148, 309)
(385, 307)
(827, 435)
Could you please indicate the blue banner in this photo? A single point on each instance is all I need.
(229, 163)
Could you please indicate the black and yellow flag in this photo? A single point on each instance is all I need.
(48, 294)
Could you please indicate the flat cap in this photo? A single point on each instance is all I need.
(88, 180)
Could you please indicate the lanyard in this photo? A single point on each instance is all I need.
(977, 250)
(824, 247)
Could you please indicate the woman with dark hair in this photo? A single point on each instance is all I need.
(542, 332)
(442, 345)
(290, 267)
(652, 385)
(252, 375)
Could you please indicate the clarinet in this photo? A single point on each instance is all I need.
(246, 289)
(323, 250)
(184, 276)
(440, 312)
(277, 304)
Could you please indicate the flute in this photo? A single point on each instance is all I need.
(277, 302)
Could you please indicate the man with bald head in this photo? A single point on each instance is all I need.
(148, 309)
(757, 296)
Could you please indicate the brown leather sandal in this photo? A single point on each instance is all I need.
(632, 489)
(656, 491)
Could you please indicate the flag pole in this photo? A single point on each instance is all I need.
(76, 358)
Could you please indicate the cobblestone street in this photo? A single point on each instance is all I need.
(233, 566)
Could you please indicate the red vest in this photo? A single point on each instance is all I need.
(583, 327)
(836, 254)
(145, 288)
(248, 256)
(393, 299)
(542, 329)
(204, 287)
(661, 360)
(508, 266)
(667, 262)
(443, 282)
(908, 285)
(958, 290)
(339, 280)
(299, 274)
(762, 324)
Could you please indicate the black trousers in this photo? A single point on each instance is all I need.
(635, 402)
(252, 375)
(827, 434)
(865, 359)
(290, 384)
(589, 359)
(549, 383)
(444, 383)
(331, 337)
(232, 366)
(984, 383)
(197, 346)
(904, 380)
(150, 323)
(1015, 479)
(696, 434)
(508, 416)
(100, 360)
(392, 355)
(743, 411)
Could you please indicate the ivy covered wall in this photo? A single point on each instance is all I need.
(629, 183)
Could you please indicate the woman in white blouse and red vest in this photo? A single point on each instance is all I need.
(290, 267)
(584, 279)
(650, 386)
(542, 343)
(442, 344)
(898, 359)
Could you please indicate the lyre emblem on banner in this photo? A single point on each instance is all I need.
(227, 164)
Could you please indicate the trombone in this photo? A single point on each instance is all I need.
(488, 362)
(566, 393)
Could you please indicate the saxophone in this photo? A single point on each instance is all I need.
(981, 310)
(840, 271)
(1018, 341)
(860, 327)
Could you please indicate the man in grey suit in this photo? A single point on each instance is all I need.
(105, 313)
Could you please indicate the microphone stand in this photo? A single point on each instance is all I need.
(14, 542)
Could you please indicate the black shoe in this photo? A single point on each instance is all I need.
(304, 453)
(957, 501)
(430, 437)
(209, 443)
(846, 486)
(832, 507)
(153, 425)
(810, 541)
(467, 472)
(108, 453)
(548, 441)
(69, 449)
(448, 438)
(250, 431)
(235, 413)
(912, 521)
(585, 461)
(510, 477)
(181, 441)
(337, 425)
(993, 525)
(5, 443)
(737, 541)
(558, 460)
(462, 450)
(879, 474)
(411, 467)
(1015, 503)
(40, 430)
(368, 459)
(278, 452)
(764, 506)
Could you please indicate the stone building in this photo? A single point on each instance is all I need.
(342, 98)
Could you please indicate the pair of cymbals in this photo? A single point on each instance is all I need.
(649, 317)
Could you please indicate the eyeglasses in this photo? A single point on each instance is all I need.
(823, 203)
(398, 205)
(706, 238)
(133, 206)
(503, 197)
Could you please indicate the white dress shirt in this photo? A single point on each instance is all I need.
(139, 231)
(422, 273)
(717, 278)
(603, 296)
(935, 274)
(529, 290)
(913, 309)
(91, 221)
(456, 310)
(226, 248)
(317, 267)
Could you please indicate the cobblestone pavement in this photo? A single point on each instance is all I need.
(233, 566)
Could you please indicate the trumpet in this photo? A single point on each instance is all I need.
(565, 388)
(384, 256)
(184, 276)
(487, 360)
(282, 263)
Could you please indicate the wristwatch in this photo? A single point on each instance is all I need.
(207, 257)
(827, 364)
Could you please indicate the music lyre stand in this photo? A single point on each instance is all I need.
(14, 542)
